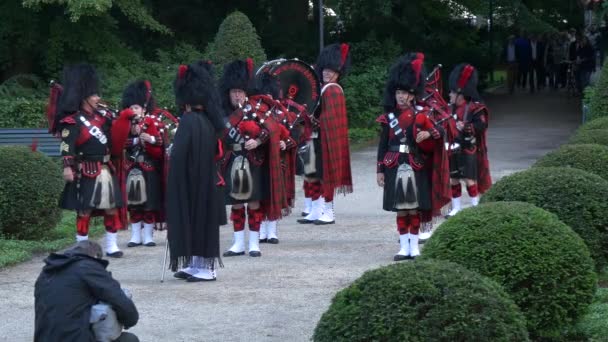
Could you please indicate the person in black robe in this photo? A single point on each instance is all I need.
(195, 201)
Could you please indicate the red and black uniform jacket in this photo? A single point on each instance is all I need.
(429, 154)
(145, 155)
(475, 116)
(243, 125)
(89, 140)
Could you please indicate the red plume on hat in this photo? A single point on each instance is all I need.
(406, 74)
(417, 67)
(464, 79)
(249, 62)
(344, 48)
(335, 57)
(138, 93)
(465, 76)
(181, 71)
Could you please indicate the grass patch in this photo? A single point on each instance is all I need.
(15, 251)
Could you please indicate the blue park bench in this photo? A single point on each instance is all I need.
(44, 141)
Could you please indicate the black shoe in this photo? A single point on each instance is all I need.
(400, 257)
(305, 221)
(323, 223)
(117, 254)
(193, 279)
(263, 240)
(230, 253)
(182, 275)
(133, 244)
(150, 244)
(273, 241)
(255, 254)
(305, 214)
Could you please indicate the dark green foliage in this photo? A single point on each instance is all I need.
(362, 135)
(597, 124)
(235, 39)
(22, 112)
(29, 191)
(598, 99)
(577, 197)
(422, 301)
(593, 326)
(590, 136)
(539, 260)
(589, 157)
(364, 95)
(364, 85)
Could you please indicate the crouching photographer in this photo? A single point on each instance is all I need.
(76, 299)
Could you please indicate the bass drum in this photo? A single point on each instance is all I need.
(298, 82)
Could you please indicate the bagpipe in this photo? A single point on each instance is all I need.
(441, 112)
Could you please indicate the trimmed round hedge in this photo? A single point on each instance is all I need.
(30, 186)
(539, 260)
(589, 157)
(422, 301)
(590, 136)
(577, 197)
(599, 123)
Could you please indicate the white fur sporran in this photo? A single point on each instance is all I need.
(406, 191)
(242, 181)
(136, 187)
(103, 192)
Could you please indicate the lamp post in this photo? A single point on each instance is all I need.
(321, 35)
(491, 36)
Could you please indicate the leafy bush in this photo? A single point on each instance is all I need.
(160, 72)
(22, 112)
(422, 301)
(577, 197)
(236, 39)
(29, 191)
(599, 123)
(590, 136)
(539, 260)
(363, 96)
(593, 326)
(589, 157)
(598, 99)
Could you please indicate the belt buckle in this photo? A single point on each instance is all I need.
(314, 135)
(403, 148)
